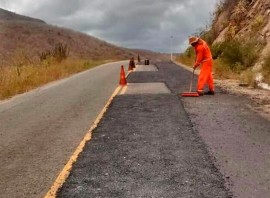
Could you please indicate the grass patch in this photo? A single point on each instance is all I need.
(32, 76)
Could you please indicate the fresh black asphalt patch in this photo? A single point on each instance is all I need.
(145, 146)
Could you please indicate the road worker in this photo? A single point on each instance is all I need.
(203, 58)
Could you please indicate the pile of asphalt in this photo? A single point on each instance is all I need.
(145, 146)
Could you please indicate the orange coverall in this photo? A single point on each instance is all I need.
(204, 57)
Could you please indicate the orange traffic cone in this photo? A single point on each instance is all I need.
(123, 80)
(132, 63)
(130, 67)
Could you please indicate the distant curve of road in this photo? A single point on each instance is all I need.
(40, 130)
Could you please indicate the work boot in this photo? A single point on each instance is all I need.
(210, 92)
(200, 93)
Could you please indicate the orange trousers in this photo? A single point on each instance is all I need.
(205, 76)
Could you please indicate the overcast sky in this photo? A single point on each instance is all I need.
(145, 24)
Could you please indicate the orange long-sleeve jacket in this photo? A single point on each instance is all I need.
(203, 53)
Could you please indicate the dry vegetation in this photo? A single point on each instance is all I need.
(33, 53)
(188, 57)
(31, 75)
(266, 69)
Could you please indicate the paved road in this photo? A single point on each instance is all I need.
(40, 130)
(239, 138)
(145, 146)
(161, 145)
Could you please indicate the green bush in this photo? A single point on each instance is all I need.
(232, 52)
(217, 49)
(250, 53)
(240, 55)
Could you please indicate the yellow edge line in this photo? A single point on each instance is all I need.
(123, 90)
(67, 168)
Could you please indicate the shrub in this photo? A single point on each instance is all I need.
(232, 52)
(217, 49)
(230, 34)
(60, 52)
(250, 53)
(240, 55)
(257, 23)
(266, 69)
(239, 12)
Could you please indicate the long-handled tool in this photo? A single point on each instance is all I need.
(190, 93)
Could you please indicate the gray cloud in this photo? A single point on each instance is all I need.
(147, 24)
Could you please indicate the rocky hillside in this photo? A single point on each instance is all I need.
(243, 18)
(22, 34)
(247, 23)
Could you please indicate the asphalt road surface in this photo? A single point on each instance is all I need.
(40, 130)
(145, 146)
(163, 145)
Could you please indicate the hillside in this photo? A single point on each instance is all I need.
(246, 21)
(33, 37)
(33, 53)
